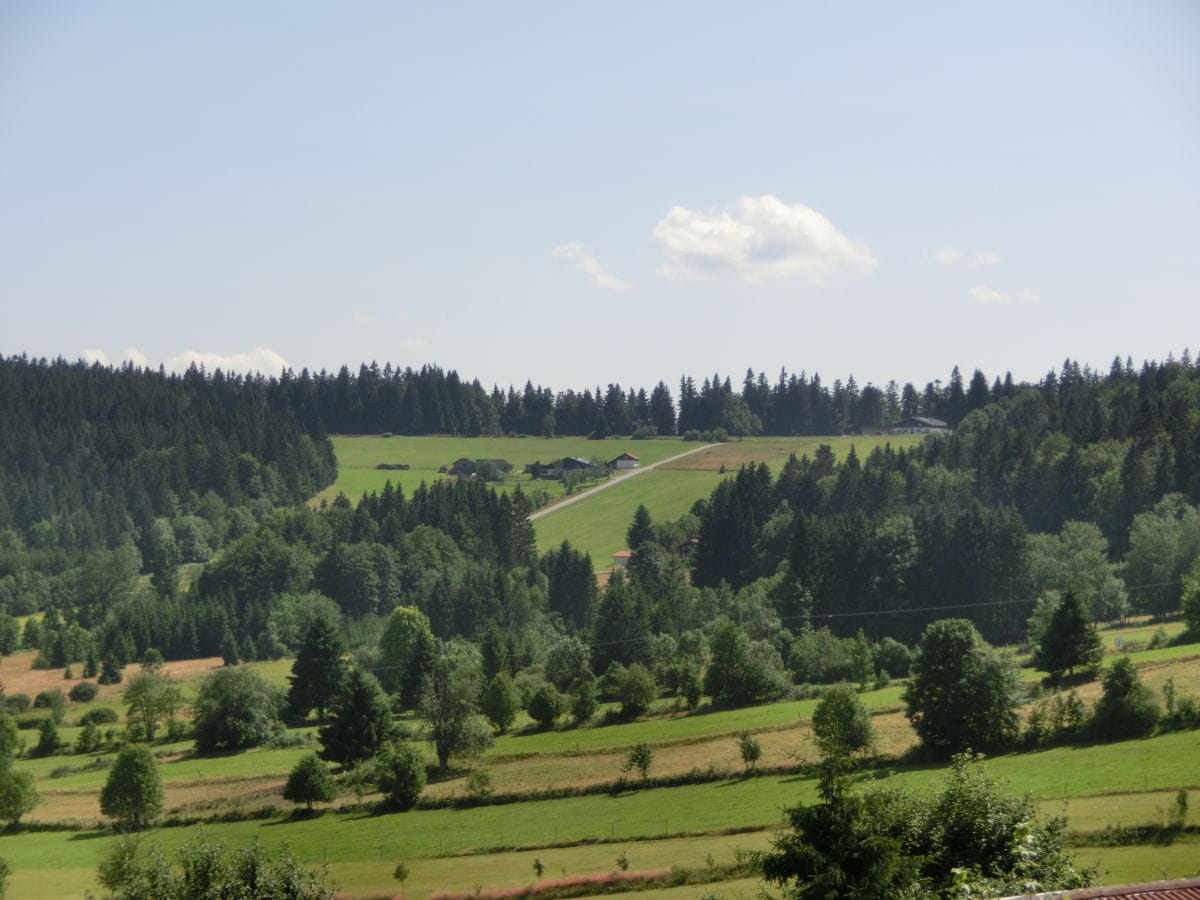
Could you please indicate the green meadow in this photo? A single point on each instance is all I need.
(493, 846)
(424, 838)
(597, 523)
(358, 456)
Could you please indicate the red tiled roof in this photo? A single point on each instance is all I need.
(1181, 889)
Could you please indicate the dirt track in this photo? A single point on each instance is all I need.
(574, 498)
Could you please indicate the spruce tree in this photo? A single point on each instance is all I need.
(229, 649)
(362, 721)
(318, 672)
(1070, 640)
(110, 673)
(640, 530)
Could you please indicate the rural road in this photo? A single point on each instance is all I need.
(574, 498)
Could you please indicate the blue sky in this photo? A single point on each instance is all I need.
(626, 191)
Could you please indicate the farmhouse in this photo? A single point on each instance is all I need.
(621, 558)
(625, 461)
(464, 466)
(919, 425)
(556, 468)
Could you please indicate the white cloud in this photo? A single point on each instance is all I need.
(983, 294)
(362, 318)
(412, 345)
(762, 237)
(260, 359)
(952, 256)
(582, 259)
(135, 356)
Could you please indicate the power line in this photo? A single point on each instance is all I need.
(871, 612)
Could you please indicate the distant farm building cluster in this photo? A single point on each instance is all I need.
(467, 467)
(919, 425)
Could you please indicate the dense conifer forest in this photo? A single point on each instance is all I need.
(142, 510)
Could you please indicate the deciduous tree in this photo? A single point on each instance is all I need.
(235, 709)
(448, 706)
(400, 773)
(310, 782)
(501, 702)
(962, 693)
(840, 722)
(133, 793)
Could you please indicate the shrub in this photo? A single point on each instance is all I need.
(53, 700)
(17, 703)
(639, 759)
(636, 690)
(501, 701)
(750, 750)
(310, 782)
(400, 774)
(1126, 708)
(546, 705)
(40, 662)
(893, 658)
(235, 709)
(527, 684)
(742, 671)
(102, 715)
(83, 692)
(210, 870)
(89, 739)
(479, 784)
(48, 742)
(820, 657)
(583, 698)
(840, 722)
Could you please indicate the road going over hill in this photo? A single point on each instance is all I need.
(583, 495)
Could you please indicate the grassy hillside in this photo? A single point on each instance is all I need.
(1124, 783)
(597, 524)
(358, 456)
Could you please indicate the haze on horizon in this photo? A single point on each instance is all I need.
(621, 193)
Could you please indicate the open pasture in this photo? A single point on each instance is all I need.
(1127, 783)
(358, 456)
(597, 524)
(353, 839)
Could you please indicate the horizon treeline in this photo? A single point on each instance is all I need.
(432, 401)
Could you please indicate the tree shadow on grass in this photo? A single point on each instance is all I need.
(296, 816)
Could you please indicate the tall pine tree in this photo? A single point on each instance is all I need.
(319, 671)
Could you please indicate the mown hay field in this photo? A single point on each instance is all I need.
(493, 846)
